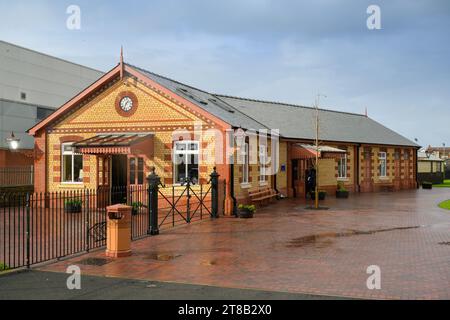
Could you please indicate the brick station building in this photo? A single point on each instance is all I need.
(119, 127)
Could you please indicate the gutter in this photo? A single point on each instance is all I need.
(416, 167)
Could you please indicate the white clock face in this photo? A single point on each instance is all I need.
(126, 104)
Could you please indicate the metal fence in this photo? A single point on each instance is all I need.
(38, 227)
(16, 176)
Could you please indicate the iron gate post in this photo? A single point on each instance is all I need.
(28, 230)
(153, 184)
(214, 193)
(188, 200)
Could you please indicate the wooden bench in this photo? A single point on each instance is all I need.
(262, 195)
(385, 187)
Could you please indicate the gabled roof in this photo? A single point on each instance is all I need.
(298, 122)
(207, 101)
(293, 121)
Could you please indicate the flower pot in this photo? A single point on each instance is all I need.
(134, 211)
(341, 194)
(321, 195)
(245, 214)
(72, 208)
(427, 185)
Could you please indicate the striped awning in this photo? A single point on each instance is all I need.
(306, 151)
(116, 143)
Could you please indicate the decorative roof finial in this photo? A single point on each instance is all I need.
(121, 63)
(366, 111)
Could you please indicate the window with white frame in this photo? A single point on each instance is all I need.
(245, 163)
(185, 161)
(72, 164)
(342, 167)
(263, 150)
(382, 160)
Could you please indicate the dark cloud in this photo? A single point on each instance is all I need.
(275, 50)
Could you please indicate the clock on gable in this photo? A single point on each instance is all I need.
(126, 103)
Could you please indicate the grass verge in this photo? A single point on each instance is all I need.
(446, 184)
(445, 204)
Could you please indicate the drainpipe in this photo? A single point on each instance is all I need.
(232, 189)
(275, 183)
(415, 166)
(358, 186)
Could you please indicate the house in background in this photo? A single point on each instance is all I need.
(444, 154)
(32, 86)
(430, 167)
(115, 130)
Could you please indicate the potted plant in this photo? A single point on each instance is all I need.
(72, 206)
(427, 185)
(135, 206)
(246, 210)
(3, 266)
(322, 195)
(341, 192)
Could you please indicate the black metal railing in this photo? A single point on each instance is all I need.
(39, 227)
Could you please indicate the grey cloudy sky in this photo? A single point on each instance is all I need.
(275, 50)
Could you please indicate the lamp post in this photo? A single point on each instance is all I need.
(316, 191)
(13, 142)
(443, 144)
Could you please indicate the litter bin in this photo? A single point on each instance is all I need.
(118, 231)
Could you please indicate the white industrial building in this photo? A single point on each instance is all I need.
(32, 85)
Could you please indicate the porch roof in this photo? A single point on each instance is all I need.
(305, 151)
(117, 143)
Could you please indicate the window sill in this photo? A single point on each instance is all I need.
(263, 183)
(343, 179)
(246, 185)
(383, 178)
(68, 185)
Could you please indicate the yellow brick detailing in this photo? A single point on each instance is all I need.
(153, 110)
(327, 172)
(282, 175)
(154, 113)
(241, 189)
(54, 140)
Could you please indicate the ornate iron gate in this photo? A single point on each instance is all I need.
(186, 203)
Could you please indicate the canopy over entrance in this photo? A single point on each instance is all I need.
(305, 151)
(117, 143)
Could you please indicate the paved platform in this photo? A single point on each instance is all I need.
(286, 248)
(40, 285)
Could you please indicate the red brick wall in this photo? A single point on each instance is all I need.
(19, 158)
(40, 168)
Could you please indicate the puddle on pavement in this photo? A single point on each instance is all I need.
(208, 263)
(323, 240)
(163, 256)
(95, 261)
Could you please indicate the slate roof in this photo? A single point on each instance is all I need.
(293, 121)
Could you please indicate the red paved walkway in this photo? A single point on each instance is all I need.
(286, 248)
